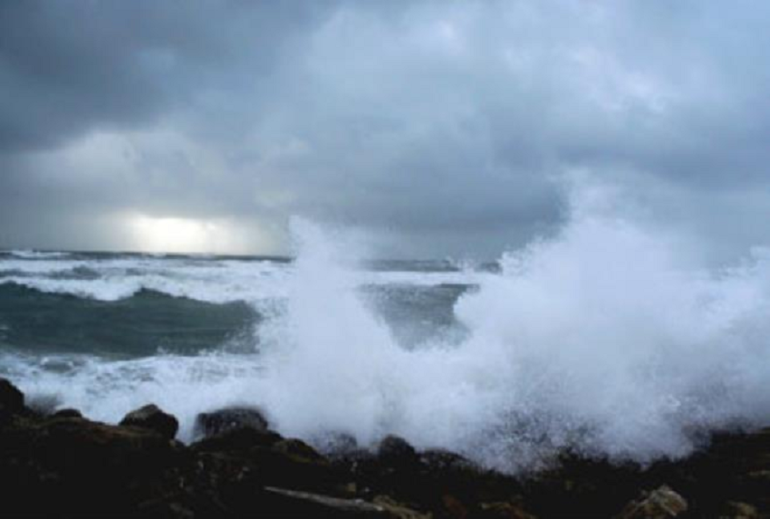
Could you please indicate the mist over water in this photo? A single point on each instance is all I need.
(608, 338)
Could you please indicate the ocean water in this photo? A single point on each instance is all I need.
(604, 338)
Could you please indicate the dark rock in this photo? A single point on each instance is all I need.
(661, 503)
(737, 510)
(442, 460)
(74, 466)
(67, 413)
(336, 443)
(306, 504)
(294, 464)
(298, 450)
(237, 439)
(154, 419)
(578, 485)
(11, 398)
(399, 509)
(502, 510)
(218, 422)
(395, 451)
(276, 461)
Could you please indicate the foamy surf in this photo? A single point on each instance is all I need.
(606, 338)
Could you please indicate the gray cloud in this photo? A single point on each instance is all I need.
(447, 127)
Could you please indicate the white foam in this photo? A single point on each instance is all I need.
(107, 390)
(215, 281)
(33, 254)
(607, 337)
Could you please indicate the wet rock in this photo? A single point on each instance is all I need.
(11, 398)
(67, 413)
(306, 504)
(298, 449)
(578, 485)
(502, 510)
(152, 418)
(442, 460)
(738, 510)
(237, 440)
(399, 510)
(293, 463)
(223, 420)
(395, 451)
(336, 443)
(73, 465)
(661, 503)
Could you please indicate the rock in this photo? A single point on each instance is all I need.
(336, 443)
(76, 467)
(67, 413)
(238, 439)
(661, 503)
(395, 451)
(298, 449)
(11, 398)
(294, 464)
(154, 419)
(442, 460)
(738, 510)
(218, 422)
(503, 510)
(305, 504)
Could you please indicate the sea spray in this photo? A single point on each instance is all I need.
(604, 339)
(332, 362)
(607, 337)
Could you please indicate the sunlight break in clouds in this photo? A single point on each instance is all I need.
(185, 235)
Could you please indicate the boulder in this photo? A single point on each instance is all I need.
(11, 398)
(305, 504)
(336, 444)
(237, 440)
(502, 510)
(154, 419)
(76, 467)
(395, 451)
(67, 413)
(661, 503)
(223, 420)
(738, 510)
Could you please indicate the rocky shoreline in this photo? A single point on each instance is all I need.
(64, 465)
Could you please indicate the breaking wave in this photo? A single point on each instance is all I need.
(607, 338)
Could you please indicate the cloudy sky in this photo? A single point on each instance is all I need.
(436, 127)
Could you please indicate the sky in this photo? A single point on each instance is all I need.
(435, 128)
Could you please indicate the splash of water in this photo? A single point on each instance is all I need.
(608, 338)
(605, 338)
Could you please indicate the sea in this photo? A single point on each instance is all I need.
(603, 338)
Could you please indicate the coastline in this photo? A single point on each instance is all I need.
(65, 465)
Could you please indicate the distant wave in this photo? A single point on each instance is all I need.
(33, 254)
(607, 338)
(222, 281)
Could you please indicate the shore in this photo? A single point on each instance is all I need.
(65, 465)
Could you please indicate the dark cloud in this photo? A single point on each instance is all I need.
(447, 127)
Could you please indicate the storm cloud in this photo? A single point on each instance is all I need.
(439, 127)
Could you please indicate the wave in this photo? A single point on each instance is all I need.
(607, 338)
(107, 390)
(215, 282)
(33, 254)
